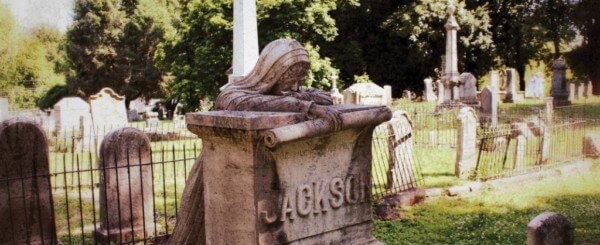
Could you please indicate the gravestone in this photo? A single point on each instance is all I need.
(539, 128)
(126, 195)
(560, 89)
(401, 174)
(428, 94)
(535, 87)
(71, 114)
(573, 91)
(550, 228)
(489, 106)
(388, 95)
(468, 89)
(26, 205)
(580, 91)
(494, 81)
(440, 87)
(466, 156)
(336, 96)
(4, 114)
(365, 94)
(510, 85)
(590, 89)
(108, 110)
(300, 183)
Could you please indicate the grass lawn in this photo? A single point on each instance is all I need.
(501, 216)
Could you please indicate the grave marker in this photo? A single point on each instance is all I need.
(401, 171)
(468, 88)
(428, 94)
(466, 156)
(489, 106)
(550, 228)
(560, 89)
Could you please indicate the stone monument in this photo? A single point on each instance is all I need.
(560, 91)
(108, 110)
(489, 106)
(510, 83)
(451, 75)
(468, 89)
(494, 81)
(466, 155)
(365, 94)
(428, 94)
(72, 114)
(3, 109)
(245, 38)
(401, 174)
(126, 195)
(335, 92)
(280, 165)
(26, 208)
(440, 87)
(550, 228)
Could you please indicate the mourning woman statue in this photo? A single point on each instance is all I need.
(273, 85)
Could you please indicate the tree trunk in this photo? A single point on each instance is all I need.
(521, 71)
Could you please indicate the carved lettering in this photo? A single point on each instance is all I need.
(287, 208)
(320, 204)
(350, 188)
(336, 188)
(304, 200)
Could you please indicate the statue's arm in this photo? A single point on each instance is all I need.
(320, 97)
(240, 101)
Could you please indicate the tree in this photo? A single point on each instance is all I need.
(585, 58)
(555, 18)
(201, 53)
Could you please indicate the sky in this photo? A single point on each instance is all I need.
(32, 13)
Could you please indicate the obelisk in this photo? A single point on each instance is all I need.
(451, 75)
(245, 38)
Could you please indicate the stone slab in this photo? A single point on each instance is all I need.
(243, 120)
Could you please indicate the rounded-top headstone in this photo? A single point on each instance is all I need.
(550, 228)
(26, 207)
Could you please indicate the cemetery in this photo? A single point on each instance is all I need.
(283, 146)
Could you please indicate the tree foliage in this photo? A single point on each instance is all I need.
(585, 58)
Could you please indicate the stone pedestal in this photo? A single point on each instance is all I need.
(277, 178)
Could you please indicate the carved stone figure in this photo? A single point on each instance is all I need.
(274, 85)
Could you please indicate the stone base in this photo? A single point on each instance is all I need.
(125, 235)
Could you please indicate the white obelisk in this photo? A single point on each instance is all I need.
(451, 75)
(245, 38)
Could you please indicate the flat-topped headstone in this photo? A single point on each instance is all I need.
(440, 95)
(466, 155)
(27, 207)
(401, 174)
(510, 83)
(494, 81)
(560, 89)
(468, 88)
(69, 113)
(428, 94)
(550, 228)
(108, 110)
(3, 109)
(365, 94)
(489, 106)
(126, 195)
(580, 91)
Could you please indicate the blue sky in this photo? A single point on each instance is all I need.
(31, 13)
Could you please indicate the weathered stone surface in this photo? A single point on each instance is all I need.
(573, 91)
(440, 88)
(459, 190)
(489, 106)
(451, 76)
(494, 81)
(549, 110)
(3, 109)
(468, 88)
(365, 94)
(26, 205)
(428, 94)
(401, 163)
(336, 96)
(580, 91)
(126, 197)
(560, 91)
(550, 228)
(591, 145)
(388, 95)
(510, 84)
(535, 87)
(108, 110)
(466, 155)
(245, 38)
(519, 153)
(407, 95)
(72, 113)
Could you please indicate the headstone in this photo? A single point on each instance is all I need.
(550, 228)
(466, 156)
(126, 195)
(440, 87)
(511, 85)
(108, 110)
(535, 87)
(4, 114)
(560, 91)
(580, 91)
(336, 97)
(26, 205)
(388, 95)
(132, 115)
(530, 87)
(489, 106)
(573, 91)
(139, 105)
(401, 174)
(539, 91)
(590, 89)
(365, 94)
(591, 145)
(519, 154)
(280, 188)
(69, 113)
(468, 88)
(494, 81)
(428, 94)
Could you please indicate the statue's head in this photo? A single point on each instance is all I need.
(282, 66)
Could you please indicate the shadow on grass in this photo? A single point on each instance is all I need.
(463, 221)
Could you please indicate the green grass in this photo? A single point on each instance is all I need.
(500, 216)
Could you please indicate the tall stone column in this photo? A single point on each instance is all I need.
(451, 75)
(245, 38)
(560, 91)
